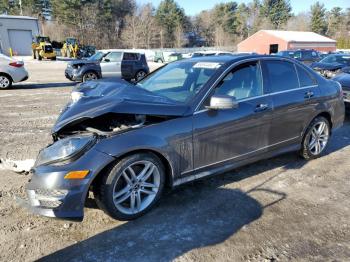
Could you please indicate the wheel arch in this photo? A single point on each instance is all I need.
(324, 114)
(169, 171)
(7, 75)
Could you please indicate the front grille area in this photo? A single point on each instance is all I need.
(51, 193)
(50, 204)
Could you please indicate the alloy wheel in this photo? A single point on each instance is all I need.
(4, 82)
(319, 137)
(137, 187)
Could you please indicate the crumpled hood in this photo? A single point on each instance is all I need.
(100, 97)
(83, 61)
(326, 66)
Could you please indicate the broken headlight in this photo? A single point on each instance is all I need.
(75, 96)
(64, 149)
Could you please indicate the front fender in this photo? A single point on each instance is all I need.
(172, 139)
(91, 67)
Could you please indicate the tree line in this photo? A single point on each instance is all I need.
(125, 24)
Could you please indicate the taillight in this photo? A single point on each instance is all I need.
(16, 64)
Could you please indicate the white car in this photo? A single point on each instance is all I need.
(11, 71)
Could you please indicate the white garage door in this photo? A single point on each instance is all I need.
(20, 41)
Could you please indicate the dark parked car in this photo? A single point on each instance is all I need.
(331, 65)
(344, 81)
(108, 63)
(187, 120)
(306, 56)
(286, 53)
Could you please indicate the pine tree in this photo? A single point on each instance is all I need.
(318, 18)
(277, 11)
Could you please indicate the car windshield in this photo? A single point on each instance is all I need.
(179, 82)
(342, 59)
(97, 56)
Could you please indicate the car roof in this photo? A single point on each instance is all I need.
(120, 50)
(225, 58)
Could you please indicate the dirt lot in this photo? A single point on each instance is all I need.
(275, 210)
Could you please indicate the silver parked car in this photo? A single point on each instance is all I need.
(187, 120)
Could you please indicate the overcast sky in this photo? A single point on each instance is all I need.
(193, 7)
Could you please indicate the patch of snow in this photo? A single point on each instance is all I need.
(17, 166)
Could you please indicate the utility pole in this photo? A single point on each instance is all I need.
(20, 7)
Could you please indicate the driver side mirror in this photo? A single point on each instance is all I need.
(106, 60)
(222, 102)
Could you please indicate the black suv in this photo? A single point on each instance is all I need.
(109, 63)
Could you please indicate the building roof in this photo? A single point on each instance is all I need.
(299, 36)
(17, 17)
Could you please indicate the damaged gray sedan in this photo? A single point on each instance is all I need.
(187, 120)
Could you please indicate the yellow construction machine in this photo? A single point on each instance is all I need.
(42, 48)
(70, 48)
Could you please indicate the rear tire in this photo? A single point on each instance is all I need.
(316, 138)
(140, 75)
(5, 81)
(132, 187)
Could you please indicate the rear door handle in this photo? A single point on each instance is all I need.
(309, 94)
(261, 107)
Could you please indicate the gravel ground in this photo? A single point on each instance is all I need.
(275, 210)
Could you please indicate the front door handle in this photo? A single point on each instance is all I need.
(308, 94)
(261, 107)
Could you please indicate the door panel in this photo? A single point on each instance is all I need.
(293, 105)
(219, 135)
(232, 134)
(111, 65)
(292, 110)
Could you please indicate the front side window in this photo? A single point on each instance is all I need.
(179, 81)
(113, 57)
(242, 82)
(280, 76)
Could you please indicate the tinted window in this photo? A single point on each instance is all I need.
(280, 76)
(114, 56)
(130, 56)
(304, 77)
(242, 82)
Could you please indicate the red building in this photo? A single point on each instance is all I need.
(272, 41)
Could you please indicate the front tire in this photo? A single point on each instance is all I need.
(316, 138)
(132, 187)
(88, 76)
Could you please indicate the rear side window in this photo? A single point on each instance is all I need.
(280, 76)
(130, 56)
(305, 78)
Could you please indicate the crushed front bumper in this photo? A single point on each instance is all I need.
(73, 74)
(49, 194)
